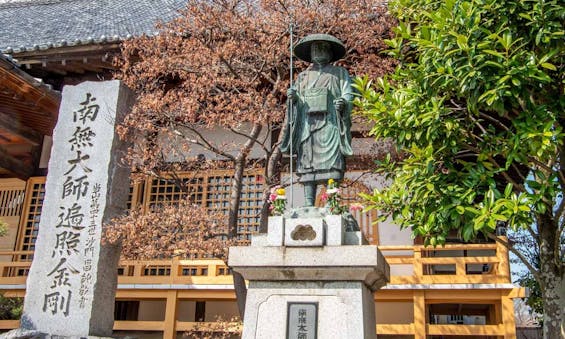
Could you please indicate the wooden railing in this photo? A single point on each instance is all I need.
(444, 330)
(174, 271)
(451, 264)
(382, 329)
(123, 325)
(454, 264)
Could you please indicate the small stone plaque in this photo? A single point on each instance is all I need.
(302, 320)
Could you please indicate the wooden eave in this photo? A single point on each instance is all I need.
(28, 111)
(69, 60)
(29, 100)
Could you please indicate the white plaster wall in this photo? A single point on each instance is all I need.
(221, 138)
(180, 151)
(401, 270)
(45, 151)
(225, 309)
(394, 312)
(152, 310)
(186, 310)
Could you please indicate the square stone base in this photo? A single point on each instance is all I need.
(345, 309)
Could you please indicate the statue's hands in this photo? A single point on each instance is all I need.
(291, 94)
(339, 104)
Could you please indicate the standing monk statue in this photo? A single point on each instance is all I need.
(319, 114)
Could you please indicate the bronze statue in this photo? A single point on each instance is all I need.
(319, 114)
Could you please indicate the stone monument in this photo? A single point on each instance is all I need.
(311, 275)
(72, 281)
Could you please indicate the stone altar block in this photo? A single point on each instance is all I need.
(72, 281)
(313, 290)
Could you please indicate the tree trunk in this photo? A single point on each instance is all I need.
(551, 276)
(553, 307)
(233, 213)
(235, 196)
(272, 176)
(238, 281)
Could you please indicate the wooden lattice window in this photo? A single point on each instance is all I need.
(31, 213)
(11, 197)
(135, 195)
(212, 190)
(218, 194)
(29, 222)
(164, 190)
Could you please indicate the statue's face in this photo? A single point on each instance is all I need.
(320, 52)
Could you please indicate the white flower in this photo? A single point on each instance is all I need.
(280, 197)
(333, 191)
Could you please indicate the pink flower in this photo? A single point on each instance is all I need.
(356, 207)
(324, 196)
(273, 197)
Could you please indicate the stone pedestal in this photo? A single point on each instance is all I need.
(300, 286)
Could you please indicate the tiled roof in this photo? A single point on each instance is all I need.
(42, 24)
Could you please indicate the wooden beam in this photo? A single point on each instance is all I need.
(9, 324)
(465, 330)
(125, 325)
(13, 126)
(395, 329)
(68, 50)
(17, 167)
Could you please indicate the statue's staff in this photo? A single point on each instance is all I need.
(291, 116)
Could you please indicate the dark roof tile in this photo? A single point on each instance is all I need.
(47, 23)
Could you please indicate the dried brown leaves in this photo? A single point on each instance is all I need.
(219, 329)
(182, 229)
(226, 62)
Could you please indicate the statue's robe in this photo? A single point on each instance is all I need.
(320, 140)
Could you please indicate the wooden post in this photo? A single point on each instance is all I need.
(170, 325)
(175, 270)
(212, 270)
(508, 317)
(138, 270)
(460, 267)
(503, 261)
(419, 315)
(418, 266)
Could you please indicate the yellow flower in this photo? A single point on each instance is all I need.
(281, 191)
(331, 181)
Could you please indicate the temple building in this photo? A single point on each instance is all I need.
(462, 290)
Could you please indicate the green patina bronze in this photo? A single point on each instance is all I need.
(319, 111)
